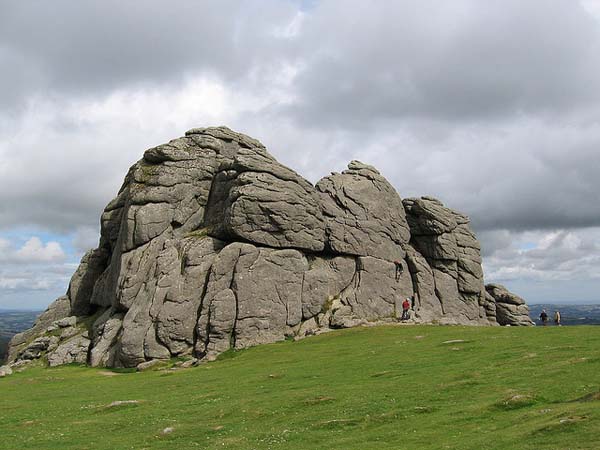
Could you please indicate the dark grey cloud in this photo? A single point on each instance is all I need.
(88, 47)
(540, 181)
(490, 106)
(452, 61)
(58, 183)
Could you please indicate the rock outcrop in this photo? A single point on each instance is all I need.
(363, 214)
(510, 308)
(443, 237)
(212, 244)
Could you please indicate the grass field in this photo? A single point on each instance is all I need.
(364, 388)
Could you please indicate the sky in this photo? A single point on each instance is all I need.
(492, 107)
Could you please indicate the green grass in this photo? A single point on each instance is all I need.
(364, 388)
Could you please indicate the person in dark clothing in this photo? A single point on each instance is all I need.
(399, 269)
(544, 317)
(405, 309)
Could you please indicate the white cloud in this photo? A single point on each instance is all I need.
(31, 252)
(32, 274)
(592, 7)
(35, 251)
(24, 283)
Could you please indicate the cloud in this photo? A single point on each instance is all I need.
(66, 158)
(87, 48)
(33, 272)
(86, 238)
(33, 251)
(547, 256)
(448, 61)
(24, 282)
(441, 96)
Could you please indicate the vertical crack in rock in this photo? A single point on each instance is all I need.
(218, 314)
(233, 288)
(199, 309)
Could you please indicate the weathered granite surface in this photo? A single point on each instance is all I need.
(443, 238)
(510, 308)
(212, 244)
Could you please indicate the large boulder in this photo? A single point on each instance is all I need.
(74, 350)
(510, 308)
(255, 198)
(211, 244)
(443, 237)
(325, 279)
(363, 214)
(253, 296)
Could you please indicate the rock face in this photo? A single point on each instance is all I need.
(211, 244)
(363, 214)
(443, 237)
(510, 308)
(256, 199)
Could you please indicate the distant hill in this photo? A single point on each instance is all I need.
(570, 314)
(11, 323)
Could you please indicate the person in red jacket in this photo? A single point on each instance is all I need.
(405, 308)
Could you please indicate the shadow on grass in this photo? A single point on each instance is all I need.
(318, 400)
(592, 397)
(568, 424)
(228, 355)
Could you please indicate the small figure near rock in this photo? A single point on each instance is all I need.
(405, 309)
(557, 318)
(544, 317)
(399, 269)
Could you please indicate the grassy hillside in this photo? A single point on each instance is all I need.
(375, 388)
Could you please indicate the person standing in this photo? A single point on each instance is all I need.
(544, 317)
(557, 318)
(405, 309)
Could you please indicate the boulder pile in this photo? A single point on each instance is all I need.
(510, 308)
(212, 244)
